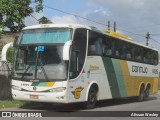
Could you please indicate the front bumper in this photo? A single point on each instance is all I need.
(56, 97)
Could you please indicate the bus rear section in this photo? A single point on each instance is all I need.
(131, 68)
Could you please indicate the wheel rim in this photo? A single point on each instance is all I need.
(147, 92)
(92, 98)
(142, 95)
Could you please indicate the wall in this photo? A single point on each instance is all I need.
(7, 37)
(5, 68)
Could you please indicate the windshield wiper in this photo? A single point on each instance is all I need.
(25, 72)
(44, 72)
(41, 65)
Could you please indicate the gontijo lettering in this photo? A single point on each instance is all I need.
(139, 69)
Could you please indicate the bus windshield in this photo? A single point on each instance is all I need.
(40, 63)
(45, 36)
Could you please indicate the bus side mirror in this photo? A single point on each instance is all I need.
(66, 49)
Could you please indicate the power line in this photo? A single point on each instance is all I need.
(74, 15)
(131, 32)
(158, 45)
(155, 34)
(90, 20)
(155, 40)
(96, 22)
(34, 17)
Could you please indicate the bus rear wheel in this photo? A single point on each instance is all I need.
(92, 98)
(141, 94)
(147, 92)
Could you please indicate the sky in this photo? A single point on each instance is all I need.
(134, 18)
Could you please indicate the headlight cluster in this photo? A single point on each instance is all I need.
(60, 89)
(16, 88)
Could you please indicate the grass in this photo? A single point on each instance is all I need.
(13, 103)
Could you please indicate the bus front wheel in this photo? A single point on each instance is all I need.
(92, 98)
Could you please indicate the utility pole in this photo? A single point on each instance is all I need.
(109, 25)
(147, 38)
(114, 26)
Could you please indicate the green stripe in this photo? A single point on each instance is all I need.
(39, 84)
(35, 84)
(42, 84)
(119, 76)
(111, 77)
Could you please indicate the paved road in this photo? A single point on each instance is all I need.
(152, 104)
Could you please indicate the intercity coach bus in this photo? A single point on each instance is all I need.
(69, 63)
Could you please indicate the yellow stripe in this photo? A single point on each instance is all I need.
(118, 35)
(155, 85)
(50, 84)
(133, 83)
(126, 77)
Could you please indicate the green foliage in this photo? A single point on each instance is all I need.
(13, 12)
(0, 32)
(1, 46)
(44, 20)
(10, 54)
(1, 28)
(11, 103)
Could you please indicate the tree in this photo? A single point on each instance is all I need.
(1, 27)
(44, 20)
(13, 12)
(0, 32)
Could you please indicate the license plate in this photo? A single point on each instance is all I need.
(34, 96)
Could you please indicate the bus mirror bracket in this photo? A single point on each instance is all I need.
(66, 49)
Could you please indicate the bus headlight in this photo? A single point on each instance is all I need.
(60, 89)
(16, 88)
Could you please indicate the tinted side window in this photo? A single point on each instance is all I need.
(95, 45)
(124, 50)
(78, 52)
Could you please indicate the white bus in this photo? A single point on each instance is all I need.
(68, 63)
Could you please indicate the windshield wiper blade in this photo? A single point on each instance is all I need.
(41, 65)
(25, 72)
(44, 72)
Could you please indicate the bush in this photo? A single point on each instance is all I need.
(10, 54)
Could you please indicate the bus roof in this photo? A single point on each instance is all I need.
(56, 25)
(74, 26)
(126, 38)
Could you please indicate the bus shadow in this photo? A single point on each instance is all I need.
(79, 106)
(121, 101)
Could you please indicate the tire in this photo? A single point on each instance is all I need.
(92, 98)
(141, 96)
(147, 93)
